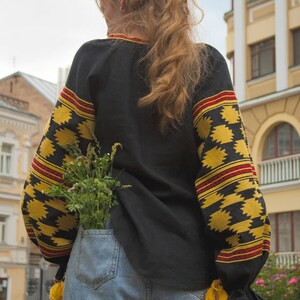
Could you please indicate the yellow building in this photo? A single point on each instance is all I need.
(17, 128)
(263, 45)
(26, 103)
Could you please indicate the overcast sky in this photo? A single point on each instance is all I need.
(39, 36)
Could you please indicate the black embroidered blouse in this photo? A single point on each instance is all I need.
(194, 212)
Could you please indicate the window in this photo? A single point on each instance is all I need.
(5, 159)
(296, 41)
(263, 58)
(2, 228)
(3, 288)
(282, 140)
(285, 228)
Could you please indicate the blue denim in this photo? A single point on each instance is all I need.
(99, 269)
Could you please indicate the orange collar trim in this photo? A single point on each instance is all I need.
(120, 36)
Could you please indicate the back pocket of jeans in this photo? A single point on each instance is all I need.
(98, 257)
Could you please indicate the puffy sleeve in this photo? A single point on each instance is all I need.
(48, 222)
(227, 185)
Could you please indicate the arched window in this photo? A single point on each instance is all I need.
(283, 140)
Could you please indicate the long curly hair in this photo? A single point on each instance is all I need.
(176, 63)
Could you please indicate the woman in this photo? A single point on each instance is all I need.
(194, 212)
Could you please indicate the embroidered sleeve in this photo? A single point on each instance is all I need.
(48, 222)
(227, 184)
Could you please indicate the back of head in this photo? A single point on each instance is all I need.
(175, 62)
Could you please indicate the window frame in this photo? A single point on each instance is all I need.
(275, 231)
(4, 157)
(276, 145)
(3, 228)
(296, 54)
(257, 52)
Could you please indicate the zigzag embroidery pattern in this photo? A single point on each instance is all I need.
(226, 185)
(48, 222)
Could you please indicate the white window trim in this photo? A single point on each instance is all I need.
(11, 224)
(1, 230)
(258, 7)
(11, 139)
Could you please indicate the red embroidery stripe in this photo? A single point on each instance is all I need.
(253, 171)
(53, 253)
(217, 179)
(123, 36)
(266, 245)
(46, 171)
(212, 101)
(71, 97)
(240, 257)
(240, 251)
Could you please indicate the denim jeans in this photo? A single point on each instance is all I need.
(99, 269)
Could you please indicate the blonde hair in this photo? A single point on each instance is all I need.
(175, 63)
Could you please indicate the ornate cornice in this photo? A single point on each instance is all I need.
(26, 122)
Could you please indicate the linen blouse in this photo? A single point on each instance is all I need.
(194, 212)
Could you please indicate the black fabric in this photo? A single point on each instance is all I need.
(158, 221)
(181, 223)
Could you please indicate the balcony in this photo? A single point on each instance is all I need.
(280, 170)
(12, 255)
(287, 259)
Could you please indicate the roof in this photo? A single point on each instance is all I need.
(46, 88)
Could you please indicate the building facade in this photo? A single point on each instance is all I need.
(16, 130)
(263, 45)
(26, 103)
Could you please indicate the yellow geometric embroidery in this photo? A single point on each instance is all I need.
(214, 157)
(47, 148)
(200, 149)
(211, 199)
(65, 137)
(60, 241)
(222, 134)
(231, 199)
(57, 204)
(61, 114)
(219, 220)
(257, 232)
(37, 210)
(68, 158)
(42, 187)
(230, 115)
(46, 229)
(203, 127)
(244, 185)
(29, 190)
(233, 240)
(252, 208)
(85, 129)
(241, 148)
(67, 222)
(241, 226)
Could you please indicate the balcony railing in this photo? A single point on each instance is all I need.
(12, 254)
(281, 169)
(287, 259)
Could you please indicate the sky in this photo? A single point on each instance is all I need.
(37, 37)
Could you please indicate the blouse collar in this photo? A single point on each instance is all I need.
(121, 36)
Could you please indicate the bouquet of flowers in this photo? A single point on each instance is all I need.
(88, 185)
